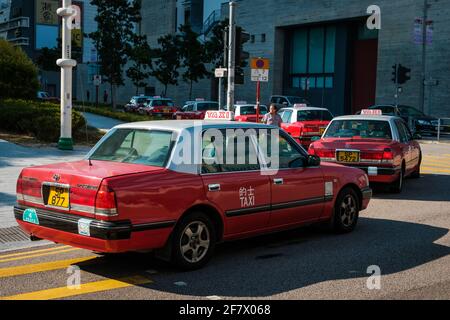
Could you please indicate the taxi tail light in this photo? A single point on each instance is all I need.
(323, 153)
(308, 130)
(19, 189)
(105, 201)
(388, 155)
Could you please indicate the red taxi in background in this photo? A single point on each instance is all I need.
(135, 190)
(195, 110)
(159, 107)
(382, 146)
(244, 112)
(303, 122)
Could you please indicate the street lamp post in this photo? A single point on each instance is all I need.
(231, 60)
(67, 64)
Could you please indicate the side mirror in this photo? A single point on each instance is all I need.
(313, 161)
(316, 138)
(417, 136)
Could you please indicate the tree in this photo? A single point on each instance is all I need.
(141, 55)
(46, 59)
(115, 33)
(18, 76)
(214, 47)
(166, 61)
(193, 57)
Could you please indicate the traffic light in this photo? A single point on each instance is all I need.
(241, 56)
(403, 74)
(394, 73)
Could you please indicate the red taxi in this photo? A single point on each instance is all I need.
(303, 122)
(159, 107)
(382, 146)
(244, 112)
(195, 110)
(140, 188)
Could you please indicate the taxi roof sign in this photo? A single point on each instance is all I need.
(300, 105)
(241, 102)
(199, 99)
(219, 115)
(371, 112)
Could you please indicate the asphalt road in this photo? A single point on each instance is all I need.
(406, 236)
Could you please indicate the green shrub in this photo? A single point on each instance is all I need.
(40, 119)
(18, 76)
(108, 112)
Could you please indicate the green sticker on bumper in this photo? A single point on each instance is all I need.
(30, 215)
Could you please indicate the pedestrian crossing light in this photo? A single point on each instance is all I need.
(403, 74)
(394, 73)
(241, 56)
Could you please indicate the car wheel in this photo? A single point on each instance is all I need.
(346, 211)
(194, 240)
(416, 174)
(397, 185)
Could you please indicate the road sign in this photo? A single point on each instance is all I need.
(97, 80)
(260, 63)
(220, 72)
(260, 75)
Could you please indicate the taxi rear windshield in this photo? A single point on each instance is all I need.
(145, 147)
(250, 110)
(314, 115)
(359, 128)
(207, 106)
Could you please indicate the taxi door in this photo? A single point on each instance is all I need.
(235, 185)
(297, 191)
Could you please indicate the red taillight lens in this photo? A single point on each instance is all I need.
(372, 155)
(388, 154)
(19, 189)
(323, 153)
(105, 201)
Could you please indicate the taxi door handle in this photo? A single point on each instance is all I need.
(214, 187)
(278, 181)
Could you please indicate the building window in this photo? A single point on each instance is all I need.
(263, 37)
(187, 16)
(252, 38)
(313, 57)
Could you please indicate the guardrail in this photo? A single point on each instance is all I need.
(443, 129)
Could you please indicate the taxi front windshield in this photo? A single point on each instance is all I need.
(365, 129)
(147, 147)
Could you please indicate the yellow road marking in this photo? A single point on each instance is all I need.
(90, 287)
(434, 170)
(40, 267)
(437, 161)
(38, 255)
(32, 252)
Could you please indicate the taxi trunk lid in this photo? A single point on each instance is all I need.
(82, 181)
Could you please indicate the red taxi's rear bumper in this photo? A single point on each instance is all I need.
(104, 236)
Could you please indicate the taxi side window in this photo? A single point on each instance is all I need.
(189, 107)
(288, 155)
(401, 131)
(286, 117)
(233, 152)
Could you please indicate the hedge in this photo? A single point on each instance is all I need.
(39, 119)
(126, 117)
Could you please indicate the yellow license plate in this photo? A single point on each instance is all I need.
(347, 156)
(321, 130)
(165, 110)
(58, 197)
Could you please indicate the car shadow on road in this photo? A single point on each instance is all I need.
(278, 263)
(430, 187)
(7, 199)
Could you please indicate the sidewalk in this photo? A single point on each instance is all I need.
(12, 159)
(100, 122)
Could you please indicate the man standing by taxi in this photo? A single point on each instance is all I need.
(273, 118)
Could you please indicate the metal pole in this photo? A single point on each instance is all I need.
(231, 44)
(439, 130)
(258, 95)
(424, 54)
(66, 63)
(220, 92)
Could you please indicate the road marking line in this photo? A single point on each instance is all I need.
(40, 267)
(447, 162)
(431, 170)
(90, 287)
(38, 255)
(32, 252)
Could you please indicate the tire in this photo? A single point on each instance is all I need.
(416, 174)
(193, 248)
(346, 211)
(397, 185)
